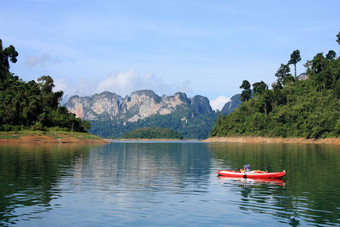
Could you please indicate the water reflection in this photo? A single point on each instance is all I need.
(30, 176)
(310, 193)
(252, 182)
(35, 179)
(148, 167)
(167, 183)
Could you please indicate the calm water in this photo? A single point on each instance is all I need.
(173, 184)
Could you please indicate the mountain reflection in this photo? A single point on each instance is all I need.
(148, 167)
(153, 184)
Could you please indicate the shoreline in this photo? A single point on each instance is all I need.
(160, 140)
(254, 139)
(50, 139)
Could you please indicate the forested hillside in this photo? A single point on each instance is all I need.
(307, 107)
(194, 121)
(153, 133)
(183, 121)
(31, 105)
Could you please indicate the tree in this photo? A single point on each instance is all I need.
(331, 55)
(338, 36)
(307, 108)
(6, 54)
(46, 83)
(294, 58)
(25, 105)
(282, 73)
(246, 93)
(259, 88)
(318, 63)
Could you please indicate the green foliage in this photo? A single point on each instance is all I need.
(300, 108)
(31, 104)
(259, 88)
(294, 59)
(153, 133)
(183, 121)
(246, 93)
(282, 73)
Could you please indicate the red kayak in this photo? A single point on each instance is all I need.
(232, 173)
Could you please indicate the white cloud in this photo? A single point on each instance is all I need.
(60, 85)
(33, 61)
(219, 102)
(123, 83)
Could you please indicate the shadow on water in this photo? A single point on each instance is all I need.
(310, 192)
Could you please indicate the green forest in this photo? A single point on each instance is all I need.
(153, 133)
(295, 107)
(31, 105)
(183, 121)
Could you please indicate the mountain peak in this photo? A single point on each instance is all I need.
(139, 105)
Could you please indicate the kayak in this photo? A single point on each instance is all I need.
(237, 174)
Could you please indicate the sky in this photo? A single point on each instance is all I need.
(198, 47)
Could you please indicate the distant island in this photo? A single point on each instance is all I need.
(306, 106)
(153, 133)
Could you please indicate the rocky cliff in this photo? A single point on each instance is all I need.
(234, 102)
(139, 105)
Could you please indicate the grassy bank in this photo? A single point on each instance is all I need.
(49, 136)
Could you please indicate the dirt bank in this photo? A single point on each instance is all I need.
(335, 141)
(36, 139)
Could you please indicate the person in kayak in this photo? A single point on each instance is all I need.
(246, 169)
(241, 170)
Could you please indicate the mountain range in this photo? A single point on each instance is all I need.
(144, 108)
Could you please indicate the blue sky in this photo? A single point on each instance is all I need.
(199, 47)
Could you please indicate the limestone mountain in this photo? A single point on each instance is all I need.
(139, 105)
(234, 102)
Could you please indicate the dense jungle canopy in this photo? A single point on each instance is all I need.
(31, 105)
(306, 106)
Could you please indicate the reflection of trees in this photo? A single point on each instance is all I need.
(312, 182)
(29, 175)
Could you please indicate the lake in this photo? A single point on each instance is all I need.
(167, 184)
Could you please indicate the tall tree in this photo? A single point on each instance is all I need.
(246, 93)
(282, 73)
(31, 105)
(259, 88)
(331, 55)
(6, 55)
(338, 36)
(294, 58)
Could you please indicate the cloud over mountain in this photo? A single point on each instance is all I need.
(219, 102)
(129, 81)
(122, 83)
